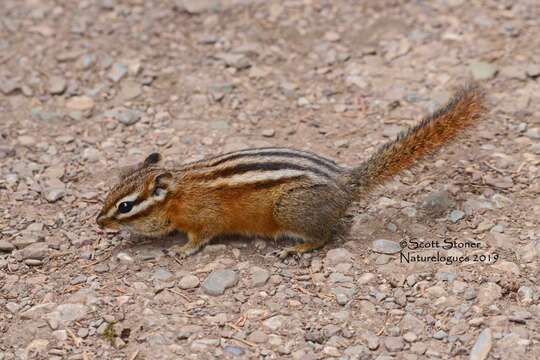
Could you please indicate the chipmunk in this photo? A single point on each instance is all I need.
(272, 192)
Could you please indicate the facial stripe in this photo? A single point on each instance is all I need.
(131, 197)
(144, 205)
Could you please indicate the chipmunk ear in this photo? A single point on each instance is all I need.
(152, 159)
(162, 181)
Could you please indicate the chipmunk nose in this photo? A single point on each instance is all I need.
(100, 220)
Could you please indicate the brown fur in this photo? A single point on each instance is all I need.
(301, 207)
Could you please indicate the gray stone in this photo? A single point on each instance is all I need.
(6, 151)
(504, 182)
(47, 116)
(410, 211)
(216, 283)
(382, 259)
(488, 293)
(81, 103)
(520, 316)
(501, 201)
(188, 282)
(274, 323)
(533, 70)
(456, 215)
(366, 278)
(125, 116)
(372, 341)
(482, 346)
(337, 277)
(388, 247)
(472, 205)
(469, 294)
(440, 335)
(125, 258)
(507, 266)
(198, 6)
(82, 332)
(162, 274)
(219, 125)
(9, 87)
(13, 307)
(259, 276)
(343, 295)
(60, 335)
(412, 323)
(533, 133)
(391, 131)
(117, 72)
(26, 140)
(35, 251)
(53, 194)
(234, 350)
(446, 276)
(357, 352)
(91, 155)
(71, 312)
(102, 328)
(6, 246)
(342, 298)
(482, 70)
(37, 311)
(33, 262)
(257, 337)
(394, 343)
(130, 90)
(86, 61)
(56, 85)
(218, 91)
(188, 330)
(237, 61)
(525, 295)
(337, 256)
(410, 337)
(438, 203)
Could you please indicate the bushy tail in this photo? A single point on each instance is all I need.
(435, 130)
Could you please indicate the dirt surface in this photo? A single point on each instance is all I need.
(88, 86)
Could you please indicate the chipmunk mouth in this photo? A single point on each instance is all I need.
(105, 223)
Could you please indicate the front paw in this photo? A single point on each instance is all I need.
(285, 253)
(182, 252)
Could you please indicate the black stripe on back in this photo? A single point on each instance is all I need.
(317, 161)
(286, 152)
(243, 168)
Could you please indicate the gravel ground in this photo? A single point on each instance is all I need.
(88, 86)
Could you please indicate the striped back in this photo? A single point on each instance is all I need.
(261, 165)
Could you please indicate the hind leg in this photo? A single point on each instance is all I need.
(312, 213)
(307, 246)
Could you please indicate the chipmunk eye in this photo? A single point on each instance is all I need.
(125, 207)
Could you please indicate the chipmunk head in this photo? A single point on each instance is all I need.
(135, 203)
